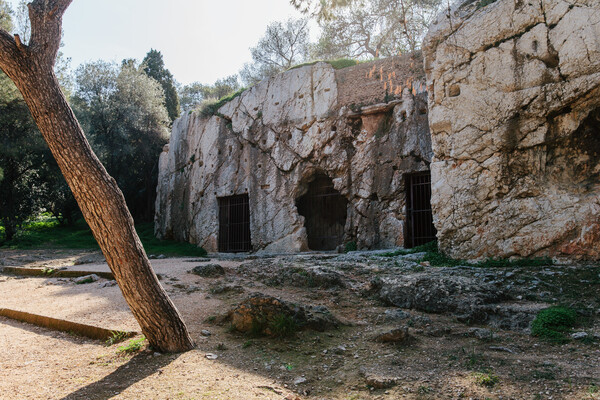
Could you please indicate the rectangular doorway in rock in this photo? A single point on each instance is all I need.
(234, 224)
(419, 218)
(324, 210)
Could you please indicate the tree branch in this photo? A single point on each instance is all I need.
(46, 32)
(8, 49)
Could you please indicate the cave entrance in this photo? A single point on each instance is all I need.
(234, 224)
(324, 210)
(419, 218)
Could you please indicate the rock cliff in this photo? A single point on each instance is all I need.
(363, 127)
(514, 112)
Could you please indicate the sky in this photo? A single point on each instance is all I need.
(201, 40)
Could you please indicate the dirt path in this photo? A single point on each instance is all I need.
(444, 360)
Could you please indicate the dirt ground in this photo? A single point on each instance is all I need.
(445, 359)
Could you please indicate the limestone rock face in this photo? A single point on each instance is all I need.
(514, 112)
(271, 141)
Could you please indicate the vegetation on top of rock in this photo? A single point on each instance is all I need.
(552, 323)
(211, 108)
(339, 63)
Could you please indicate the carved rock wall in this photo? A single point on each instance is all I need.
(514, 111)
(273, 139)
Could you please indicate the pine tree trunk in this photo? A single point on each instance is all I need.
(101, 201)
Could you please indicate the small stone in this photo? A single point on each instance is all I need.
(579, 335)
(501, 348)
(397, 335)
(161, 257)
(211, 356)
(205, 332)
(108, 284)
(300, 380)
(156, 354)
(86, 279)
(380, 382)
(395, 315)
(481, 333)
(339, 349)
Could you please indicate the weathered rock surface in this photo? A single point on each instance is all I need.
(363, 126)
(208, 270)
(514, 112)
(438, 293)
(260, 312)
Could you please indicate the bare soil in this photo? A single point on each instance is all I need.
(444, 359)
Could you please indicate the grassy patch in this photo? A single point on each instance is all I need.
(116, 337)
(210, 108)
(552, 323)
(486, 379)
(336, 64)
(283, 326)
(133, 346)
(439, 259)
(46, 232)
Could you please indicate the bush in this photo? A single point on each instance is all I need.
(350, 246)
(552, 323)
(283, 325)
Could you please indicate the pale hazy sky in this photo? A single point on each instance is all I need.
(201, 40)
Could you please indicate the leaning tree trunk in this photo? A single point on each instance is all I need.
(101, 201)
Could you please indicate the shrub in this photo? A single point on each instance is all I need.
(350, 246)
(552, 323)
(283, 325)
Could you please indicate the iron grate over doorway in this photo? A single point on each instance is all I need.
(419, 217)
(234, 224)
(325, 211)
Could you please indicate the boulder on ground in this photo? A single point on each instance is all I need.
(267, 315)
(208, 270)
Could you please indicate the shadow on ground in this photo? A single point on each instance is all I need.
(137, 369)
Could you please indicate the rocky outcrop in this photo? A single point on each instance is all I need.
(275, 138)
(514, 101)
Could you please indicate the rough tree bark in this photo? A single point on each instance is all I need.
(31, 68)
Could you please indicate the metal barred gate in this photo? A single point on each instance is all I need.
(324, 210)
(234, 224)
(419, 217)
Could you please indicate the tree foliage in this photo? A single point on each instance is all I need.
(123, 114)
(370, 28)
(154, 66)
(30, 180)
(282, 46)
(6, 22)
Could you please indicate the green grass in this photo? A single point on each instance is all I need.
(46, 232)
(552, 323)
(210, 108)
(283, 325)
(133, 346)
(340, 63)
(116, 337)
(439, 259)
(486, 379)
